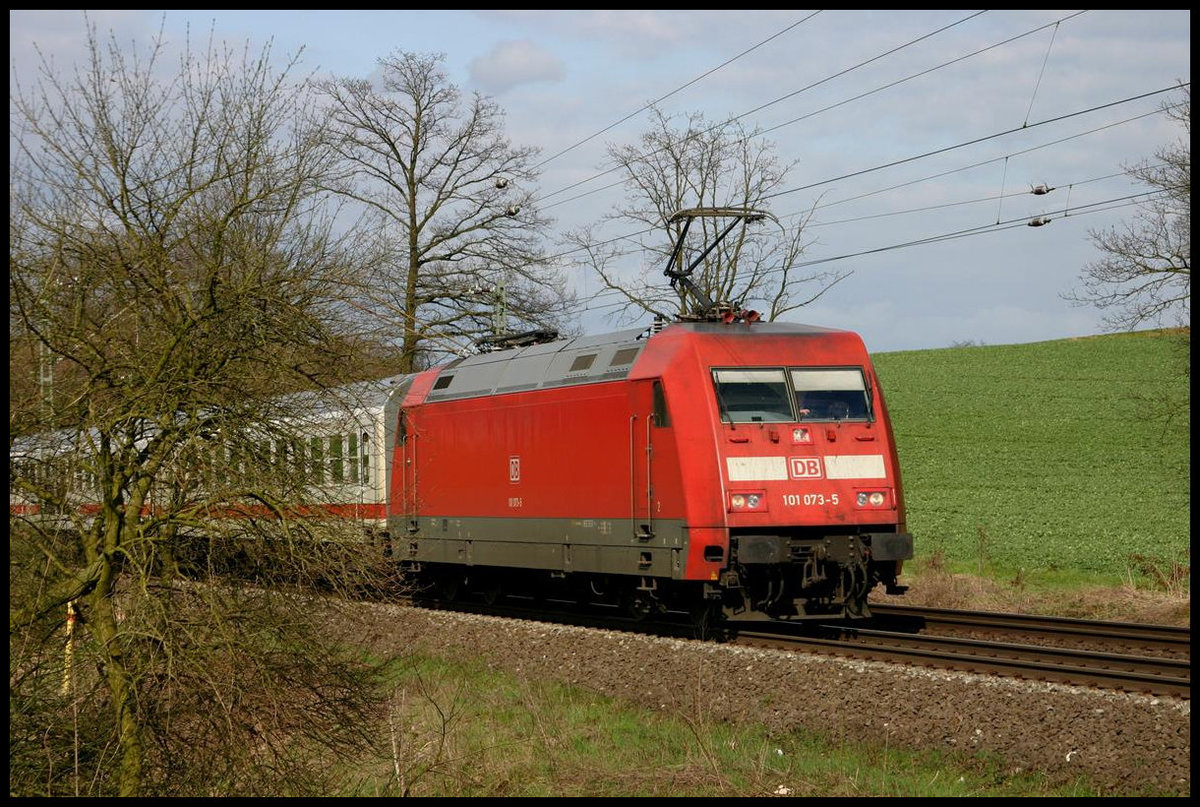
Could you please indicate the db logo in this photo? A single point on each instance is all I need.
(806, 467)
(514, 469)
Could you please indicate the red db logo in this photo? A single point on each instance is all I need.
(806, 467)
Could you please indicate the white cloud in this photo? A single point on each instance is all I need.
(512, 63)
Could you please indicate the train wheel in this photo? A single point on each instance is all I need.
(636, 605)
(857, 607)
(449, 587)
(491, 590)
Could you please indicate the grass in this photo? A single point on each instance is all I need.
(463, 729)
(1064, 462)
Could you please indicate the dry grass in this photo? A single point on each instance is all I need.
(932, 584)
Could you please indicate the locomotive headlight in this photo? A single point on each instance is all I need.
(870, 498)
(749, 502)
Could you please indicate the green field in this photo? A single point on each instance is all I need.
(1064, 460)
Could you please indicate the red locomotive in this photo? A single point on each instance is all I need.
(746, 465)
(723, 463)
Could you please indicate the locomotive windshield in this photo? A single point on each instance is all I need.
(831, 394)
(781, 396)
(753, 396)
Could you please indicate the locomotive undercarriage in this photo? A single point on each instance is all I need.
(636, 597)
(804, 575)
(788, 577)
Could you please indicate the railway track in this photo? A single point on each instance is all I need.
(1153, 659)
(1129, 657)
(1164, 640)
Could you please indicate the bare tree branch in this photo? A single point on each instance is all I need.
(457, 233)
(1145, 274)
(173, 271)
(702, 165)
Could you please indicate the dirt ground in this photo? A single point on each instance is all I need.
(1125, 744)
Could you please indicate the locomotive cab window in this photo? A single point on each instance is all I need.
(661, 417)
(831, 394)
(753, 396)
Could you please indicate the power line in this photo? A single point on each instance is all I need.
(1092, 207)
(910, 159)
(815, 84)
(986, 229)
(972, 142)
(928, 208)
(926, 178)
(958, 145)
(1024, 221)
(677, 89)
(925, 72)
(889, 214)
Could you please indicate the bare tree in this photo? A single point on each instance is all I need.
(1145, 274)
(703, 165)
(457, 230)
(172, 270)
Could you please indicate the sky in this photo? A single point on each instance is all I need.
(916, 138)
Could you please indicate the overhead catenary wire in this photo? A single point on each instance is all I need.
(986, 229)
(793, 93)
(1042, 72)
(1025, 124)
(1094, 207)
(974, 141)
(938, 175)
(944, 205)
(979, 163)
(680, 88)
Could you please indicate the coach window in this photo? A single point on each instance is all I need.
(337, 467)
(753, 396)
(366, 458)
(317, 458)
(300, 469)
(352, 456)
(831, 393)
(662, 417)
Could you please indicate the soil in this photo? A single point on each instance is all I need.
(1124, 744)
